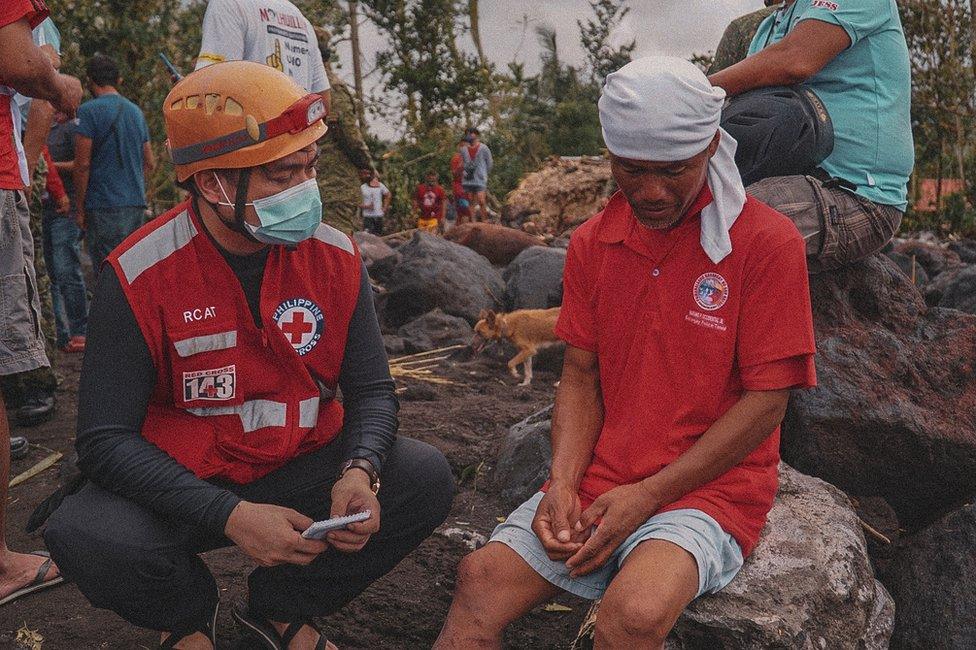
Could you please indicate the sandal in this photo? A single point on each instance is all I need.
(210, 630)
(38, 583)
(266, 633)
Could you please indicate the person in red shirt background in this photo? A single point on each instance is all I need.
(429, 202)
(462, 201)
(686, 314)
(26, 69)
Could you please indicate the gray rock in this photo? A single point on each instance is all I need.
(904, 262)
(808, 585)
(437, 273)
(523, 464)
(435, 329)
(534, 279)
(936, 288)
(932, 578)
(380, 259)
(933, 257)
(394, 345)
(965, 249)
(893, 413)
(960, 291)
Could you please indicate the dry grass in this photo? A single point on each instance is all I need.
(422, 365)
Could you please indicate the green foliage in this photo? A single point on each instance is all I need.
(602, 55)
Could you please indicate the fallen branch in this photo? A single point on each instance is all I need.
(872, 532)
(36, 469)
(397, 360)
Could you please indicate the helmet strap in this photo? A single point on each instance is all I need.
(240, 205)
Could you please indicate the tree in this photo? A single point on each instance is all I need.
(357, 62)
(603, 55)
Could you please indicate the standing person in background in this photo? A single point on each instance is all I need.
(477, 165)
(462, 202)
(62, 242)
(376, 201)
(26, 69)
(113, 159)
(272, 32)
(429, 202)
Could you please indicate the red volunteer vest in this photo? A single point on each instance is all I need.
(232, 400)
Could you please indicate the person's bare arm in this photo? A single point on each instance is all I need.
(65, 166)
(28, 70)
(327, 97)
(148, 160)
(39, 119)
(387, 200)
(576, 422)
(723, 446)
(443, 208)
(801, 54)
(83, 150)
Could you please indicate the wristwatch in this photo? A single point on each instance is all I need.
(366, 466)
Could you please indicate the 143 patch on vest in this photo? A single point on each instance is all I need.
(216, 384)
(302, 322)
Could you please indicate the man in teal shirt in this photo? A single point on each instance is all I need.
(853, 54)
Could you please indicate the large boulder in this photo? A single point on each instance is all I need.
(435, 329)
(500, 244)
(564, 192)
(965, 249)
(808, 584)
(893, 413)
(931, 579)
(911, 268)
(380, 258)
(959, 291)
(534, 279)
(437, 273)
(523, 464)
(934, 258)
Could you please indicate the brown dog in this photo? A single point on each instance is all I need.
(527, 329)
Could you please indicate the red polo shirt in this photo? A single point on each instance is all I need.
(679, 339)
(13, 172)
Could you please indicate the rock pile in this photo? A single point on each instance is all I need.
(564, 193)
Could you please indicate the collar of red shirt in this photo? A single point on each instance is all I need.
(619, 221)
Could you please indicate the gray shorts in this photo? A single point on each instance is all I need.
(21, 340)
(717, 554)
(473, 189)
(840, 227)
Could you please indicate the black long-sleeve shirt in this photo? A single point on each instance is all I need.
(111, 449)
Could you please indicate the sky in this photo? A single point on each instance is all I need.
(673, 27)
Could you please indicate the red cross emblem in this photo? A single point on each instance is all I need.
(210, 391)
(297, 327)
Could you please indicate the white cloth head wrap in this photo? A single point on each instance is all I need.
(663, 109)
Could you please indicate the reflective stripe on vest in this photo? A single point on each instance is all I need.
(255, 414)
(157, 246)
(208, 343)
(308, 412)
(329, 235)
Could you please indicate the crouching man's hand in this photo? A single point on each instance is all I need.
(272, 535)
(352, 494)
(620, 512)
(555, 522)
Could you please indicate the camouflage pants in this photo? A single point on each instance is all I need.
(839, 226)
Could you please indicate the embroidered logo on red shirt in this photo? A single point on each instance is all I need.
(825, 4)
(711, 291)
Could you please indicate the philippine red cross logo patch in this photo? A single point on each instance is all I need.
(302, 323)
(711, 291)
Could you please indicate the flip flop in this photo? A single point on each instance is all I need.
(262, 629)
(38, 583)
(18, 447)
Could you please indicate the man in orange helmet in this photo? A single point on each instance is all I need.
(219, 335)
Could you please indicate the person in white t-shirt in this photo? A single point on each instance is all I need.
(376, 201)
(273, 32)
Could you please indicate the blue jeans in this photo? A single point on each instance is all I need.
(62, 247)
(107, 228)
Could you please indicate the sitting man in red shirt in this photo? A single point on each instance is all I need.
(429, 203)
(687, 317)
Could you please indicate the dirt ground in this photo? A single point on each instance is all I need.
(467, 421)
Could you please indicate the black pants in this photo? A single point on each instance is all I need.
(373, 225)
(146, 569)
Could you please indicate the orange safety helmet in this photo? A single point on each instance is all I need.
(238, 114)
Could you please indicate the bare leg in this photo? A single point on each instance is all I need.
(17, 570)
(655, 584)
(494, 587)
(198, 641)
(527, 367)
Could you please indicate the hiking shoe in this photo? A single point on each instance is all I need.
(18, 447)
(74, 344)
(36, 409)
